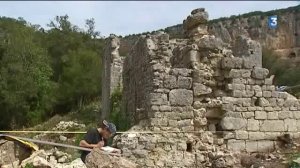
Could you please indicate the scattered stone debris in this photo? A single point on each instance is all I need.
(62, 126)
(66, 125)
(48, 159)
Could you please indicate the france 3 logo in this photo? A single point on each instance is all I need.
(272, 22)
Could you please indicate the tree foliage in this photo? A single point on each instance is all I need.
(286, 70)
(44, 72)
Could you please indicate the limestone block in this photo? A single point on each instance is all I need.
(239, 73)
(231, 63)
(298, 124)
(248, 115)
(158, 98)
(252, 108)
(181, 97)
(249, 63)
(227, 100)
(285, 114)
(267, 94)
(200, 89)
(239, 81)
(233, 114)
(265, 146)
(238, 93)
(259, 73)
(275, 94)
(297, 114)
(197, 17)
(263, 102)
(238, 87)
(272, 135)
(260, 115)
(241, 109)
(184, 123)
(199, 122)
(293, 108)
(273, 115)
(172, 123)
(280, 102)
(159, 122)
(248, 93)
(256, 88)
(181, 72)
(164, 108)
(186, 115)
(241, 134)
(228, 135)
(258, 93)
(250, 81)
(272, 126)
(252, 125)
(236, 145)
(290, 125)
(184, 82)
(228, 107)
(170, 82)
(210, 42)
(269, 109)
(230, 123)
(251, 146)
(199, 112)
(256, 135)
(270, 88)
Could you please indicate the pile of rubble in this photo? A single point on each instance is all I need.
(62, 126)
(67, 125)
(49, 159)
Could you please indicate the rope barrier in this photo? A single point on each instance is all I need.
(128, 132)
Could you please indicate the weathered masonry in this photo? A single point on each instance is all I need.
(201, 84)
(111, 72)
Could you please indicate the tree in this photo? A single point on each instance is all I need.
(25, 73)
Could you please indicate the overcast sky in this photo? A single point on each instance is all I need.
(128, 17)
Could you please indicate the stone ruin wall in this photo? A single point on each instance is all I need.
(216, 97)
(111, 73)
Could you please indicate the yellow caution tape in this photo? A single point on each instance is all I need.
(27, 144)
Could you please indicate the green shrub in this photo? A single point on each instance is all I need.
(117, 116)
(286, 71)
(29, 165)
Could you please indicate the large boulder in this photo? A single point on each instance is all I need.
(97, 159)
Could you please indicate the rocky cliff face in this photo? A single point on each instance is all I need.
(285, 40)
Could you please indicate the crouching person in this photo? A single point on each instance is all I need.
(98, 138)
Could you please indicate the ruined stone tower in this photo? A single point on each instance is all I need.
(111, 73)
(204, 101)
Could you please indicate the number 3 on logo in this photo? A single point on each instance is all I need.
(272, 22)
